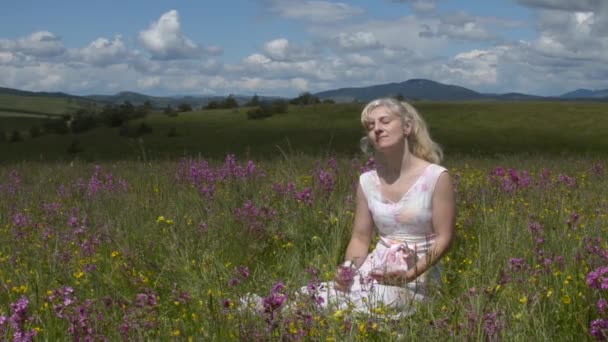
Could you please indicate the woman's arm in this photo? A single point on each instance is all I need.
(363, 230)
(444, 218)
(358, 247)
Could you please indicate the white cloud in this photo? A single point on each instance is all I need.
(6, 57)
(564, 5)
(282, 49)
(148, 82)
(475, 67)
(102, 52)
(356, 59)
(314, 11)
(213, 50)
(257, 59)
(38, 44)
(356, 41)
(41, 44)
(277, 49)
(164, 39)
(420, 5)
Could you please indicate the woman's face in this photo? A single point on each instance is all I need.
(384, 129)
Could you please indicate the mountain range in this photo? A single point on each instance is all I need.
(414, 89)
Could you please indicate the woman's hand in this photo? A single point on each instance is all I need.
(345, 277)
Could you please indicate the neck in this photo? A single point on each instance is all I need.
(396, 161)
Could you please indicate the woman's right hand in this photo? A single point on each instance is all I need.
(345, 277)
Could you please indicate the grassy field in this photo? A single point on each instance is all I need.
(485, 128)
(37, 105)
(168, 249)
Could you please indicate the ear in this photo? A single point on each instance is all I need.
(407, 128)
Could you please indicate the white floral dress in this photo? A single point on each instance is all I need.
(406, 234)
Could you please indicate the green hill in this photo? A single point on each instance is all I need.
(39, 105)
(460, 127)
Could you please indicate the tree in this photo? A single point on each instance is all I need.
(255, 101)
(304, 99)
(169, 111)
(114, 116)
(184, 107)
(58, 126)
(35, 132)
(128, 110)
(172, 132)
(83, 121)
(15, 136)
(213, 105)
(230, 102)
(74, 147)
(258, 113)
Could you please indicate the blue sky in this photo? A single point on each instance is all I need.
(285, 47)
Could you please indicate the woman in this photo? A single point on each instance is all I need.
(409, 199)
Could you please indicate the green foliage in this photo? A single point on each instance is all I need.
(74, 147)
(227, 103)
(184, 107)
(143, 128)
(172, 132)
(267, 109)
(35, 132)
(15, 136)
(83, 121)
(116, 115)
(170, 112)
(57, 126)
(304, 99)
(254, 102)
(258, 113)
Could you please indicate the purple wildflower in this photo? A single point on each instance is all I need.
(599, 329)
(598, 279)
(19, 318)
(304, 196)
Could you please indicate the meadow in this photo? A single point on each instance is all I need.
(162, 239)
(479, 128)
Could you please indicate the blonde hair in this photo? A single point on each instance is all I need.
(419, 141)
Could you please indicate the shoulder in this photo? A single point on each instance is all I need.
(437, 174)
(437, 169)
(367, 176)
(367, 182)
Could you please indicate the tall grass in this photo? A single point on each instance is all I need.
(166, 249)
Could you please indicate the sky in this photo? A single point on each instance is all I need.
(286, 47)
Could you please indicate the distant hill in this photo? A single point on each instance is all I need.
(586, 94)
(162, 102)
(415, 89)
(421, 89)
(17, 92)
